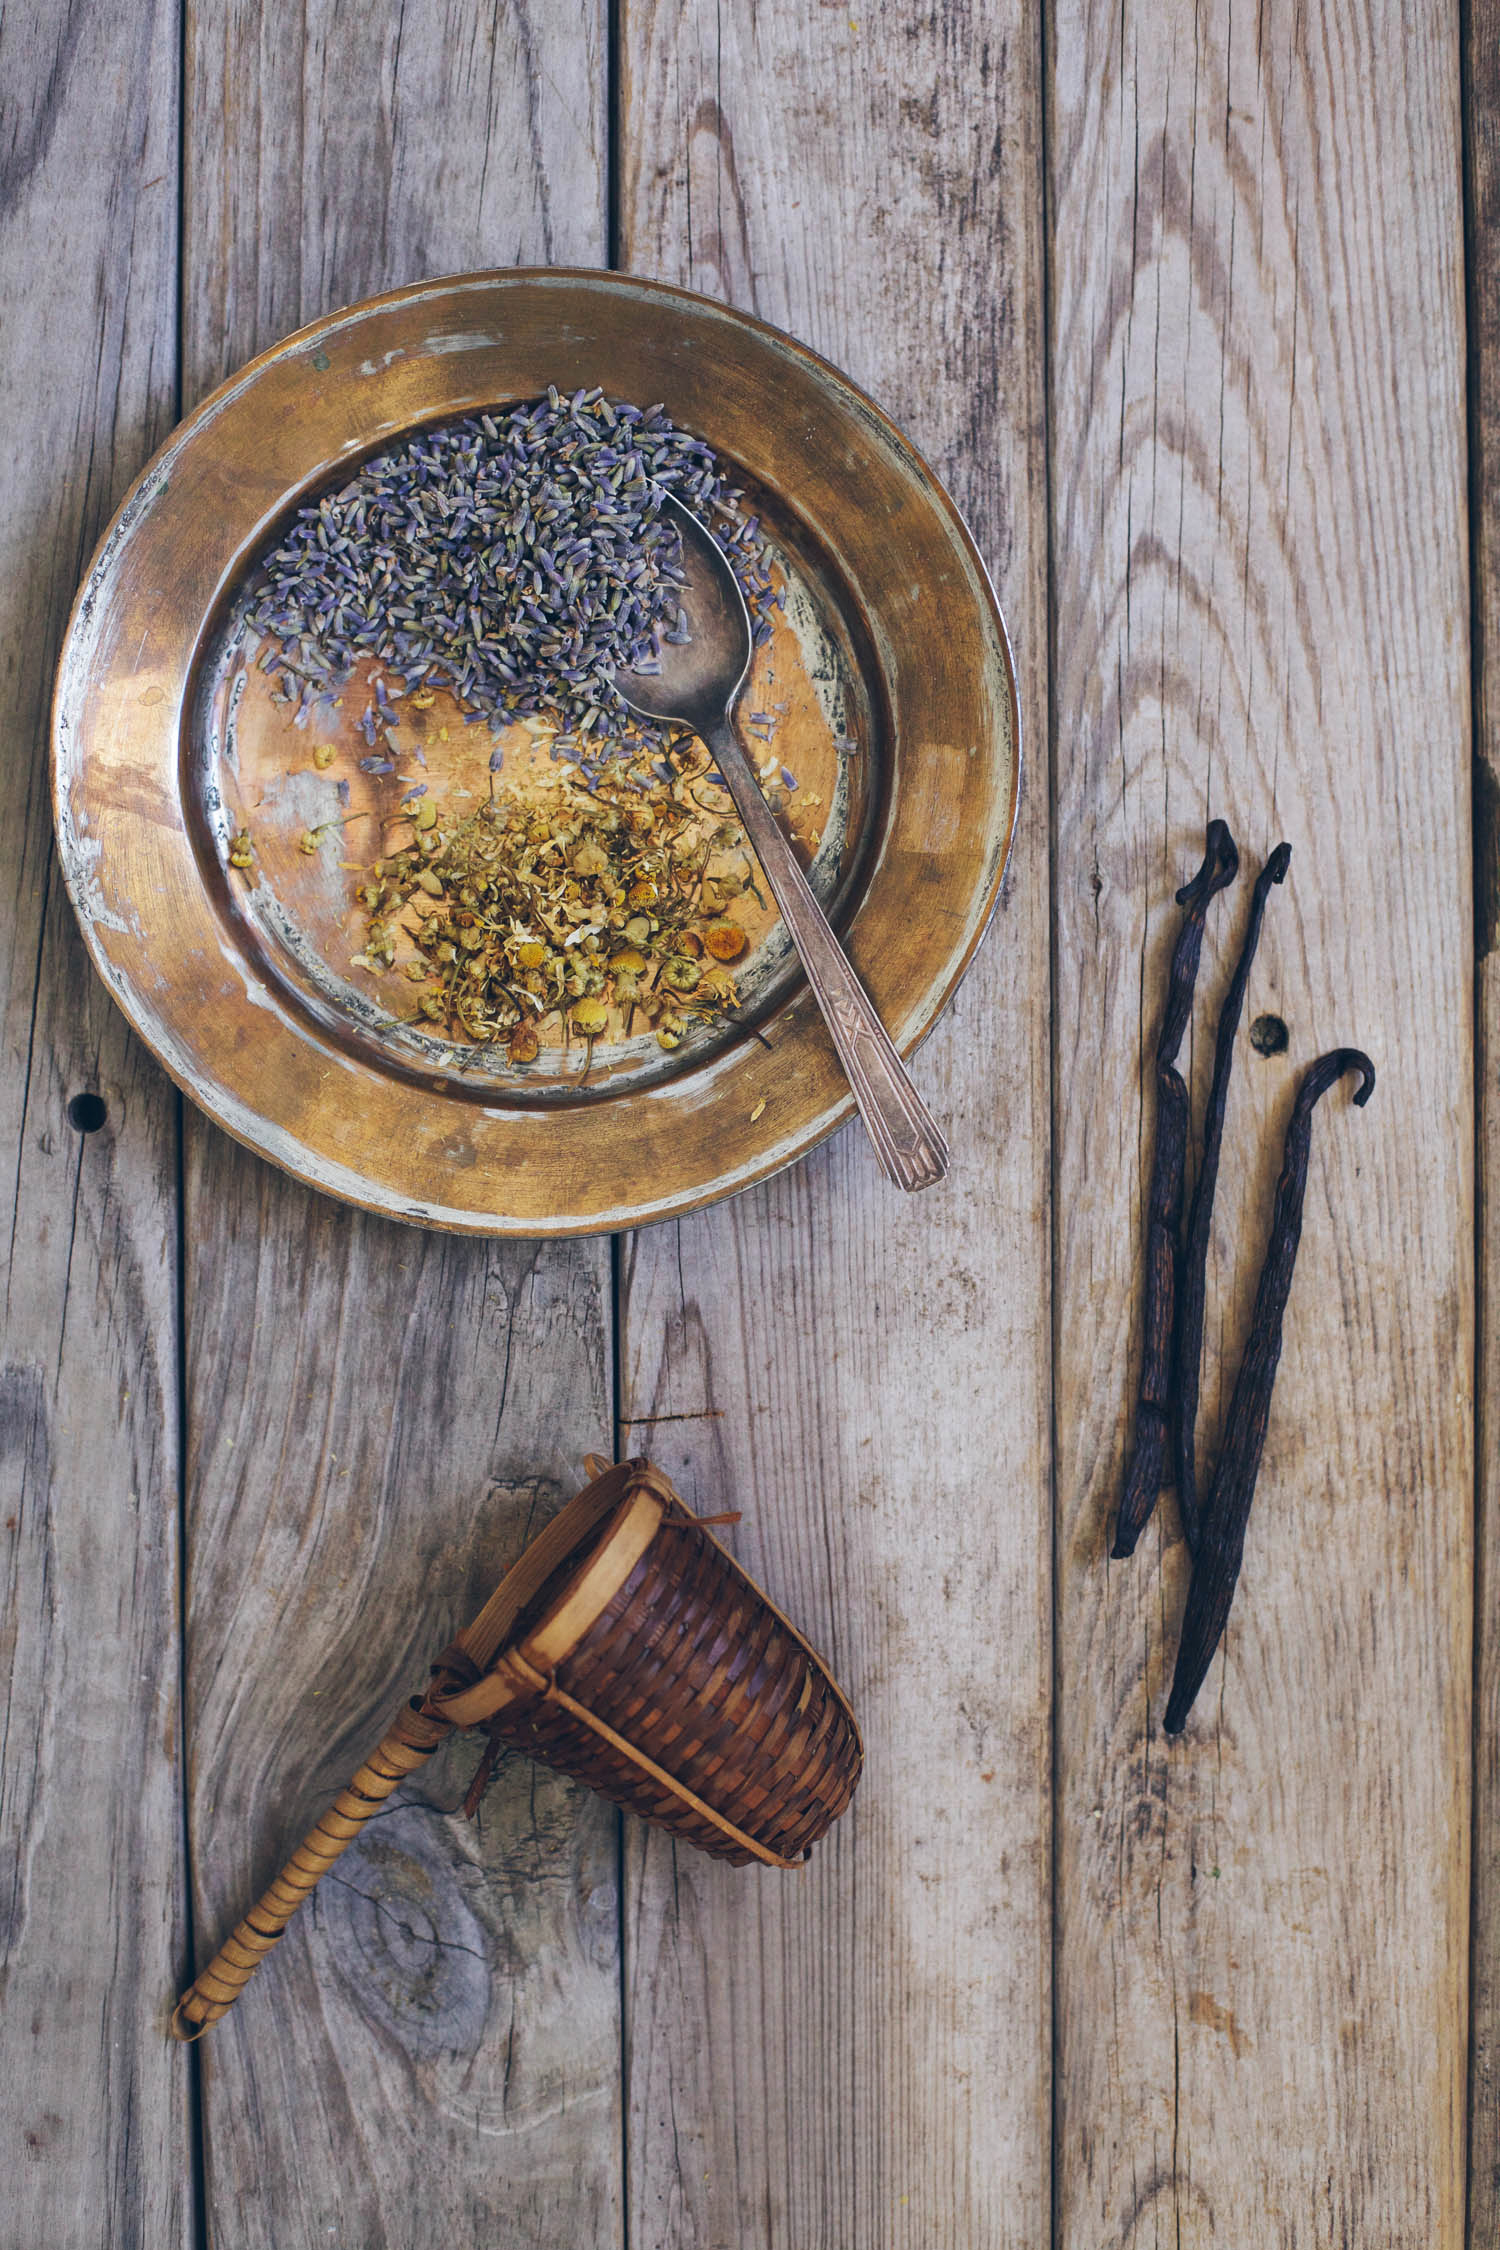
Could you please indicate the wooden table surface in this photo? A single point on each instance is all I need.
(1198, 313)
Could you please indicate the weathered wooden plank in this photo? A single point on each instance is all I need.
(1256, 419)
(377, 1417)
(1482, 137)
(93, 2109)
(332, 157)
(860, 2054)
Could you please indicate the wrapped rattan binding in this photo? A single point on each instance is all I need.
(627, 1648)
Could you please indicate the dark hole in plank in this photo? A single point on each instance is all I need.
(87, 1112)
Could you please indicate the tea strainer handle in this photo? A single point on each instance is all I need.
(409, 1743)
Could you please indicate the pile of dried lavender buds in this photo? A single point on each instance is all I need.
(517, 561)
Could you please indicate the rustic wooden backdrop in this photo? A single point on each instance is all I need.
(1196, 310)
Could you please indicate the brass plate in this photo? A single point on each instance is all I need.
(242, 987)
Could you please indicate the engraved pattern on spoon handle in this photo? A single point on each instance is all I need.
(906, 1138)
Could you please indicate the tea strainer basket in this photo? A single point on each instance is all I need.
(629, 1649)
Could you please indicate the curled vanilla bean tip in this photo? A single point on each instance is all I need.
(1353, 1059)
(1143, 1480)
(1221, 864)
(1187, 1349)
(1221, 1530)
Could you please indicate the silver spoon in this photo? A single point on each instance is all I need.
(699, 684)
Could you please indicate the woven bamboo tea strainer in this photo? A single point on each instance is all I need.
(626, 1648)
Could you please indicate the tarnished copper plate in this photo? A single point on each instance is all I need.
(891, 663)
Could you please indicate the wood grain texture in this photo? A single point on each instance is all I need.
(859, 2053)
(1482, 121)
(376, 1417)
(337, 153)
(93, 2112)
(1256, 415)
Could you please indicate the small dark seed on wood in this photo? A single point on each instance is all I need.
(1269, 1035)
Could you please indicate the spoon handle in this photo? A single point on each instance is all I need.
(911, 1149)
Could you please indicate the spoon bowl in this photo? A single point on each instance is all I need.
(702, 677)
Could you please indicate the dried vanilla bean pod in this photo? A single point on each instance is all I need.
(1221, 1529)
(1192, 1275)
(1164, 1202)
